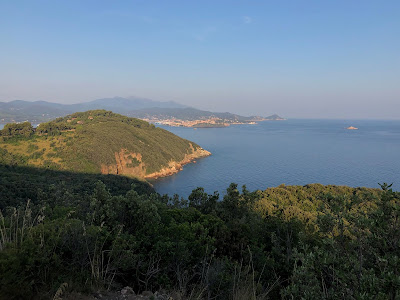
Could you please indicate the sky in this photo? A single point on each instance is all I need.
(300, 59)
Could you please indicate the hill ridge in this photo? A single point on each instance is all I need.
(98, 141)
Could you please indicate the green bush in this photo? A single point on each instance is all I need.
(311, 242)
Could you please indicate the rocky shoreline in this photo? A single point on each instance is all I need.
(124, 164)
(175, 167)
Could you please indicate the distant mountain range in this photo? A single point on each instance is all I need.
(42, 111)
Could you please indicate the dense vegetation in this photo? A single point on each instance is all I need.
(86, 232)
(86, 141)
(17, 130)
(18, 184)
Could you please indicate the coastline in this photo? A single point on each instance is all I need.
(175, 167)
(123, 164)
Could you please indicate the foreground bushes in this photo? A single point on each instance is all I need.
(311, 242)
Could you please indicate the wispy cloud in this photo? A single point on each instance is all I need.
(247, 19)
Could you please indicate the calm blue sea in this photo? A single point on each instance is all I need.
(290, 152)
(293, 152)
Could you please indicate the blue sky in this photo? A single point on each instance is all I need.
(306, 59)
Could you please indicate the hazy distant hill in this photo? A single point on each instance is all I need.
(97, 141)
(35, 112)
(122, 105)
(274, 117)
(41, 111)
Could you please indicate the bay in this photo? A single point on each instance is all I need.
(291, 152)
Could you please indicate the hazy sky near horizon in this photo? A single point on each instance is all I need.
(306, 59)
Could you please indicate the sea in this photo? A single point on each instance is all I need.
(290, 152)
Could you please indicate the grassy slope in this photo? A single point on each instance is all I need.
(67, 145)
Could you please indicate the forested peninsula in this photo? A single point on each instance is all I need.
(98, 141)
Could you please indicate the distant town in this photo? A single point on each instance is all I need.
(201, 123)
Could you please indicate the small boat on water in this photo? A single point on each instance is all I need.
(352, 128)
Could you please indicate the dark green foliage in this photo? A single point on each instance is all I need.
(290, 242)
(18, 184)
(17, 130)
(202, 201)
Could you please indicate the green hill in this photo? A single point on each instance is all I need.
(98, 141)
